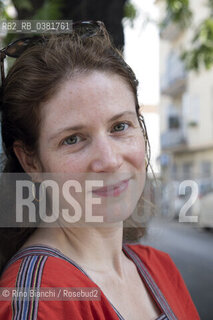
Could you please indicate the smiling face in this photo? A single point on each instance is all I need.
(90, 130)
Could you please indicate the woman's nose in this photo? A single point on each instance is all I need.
(107, 156)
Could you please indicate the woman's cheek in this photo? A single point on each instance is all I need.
(136, 150)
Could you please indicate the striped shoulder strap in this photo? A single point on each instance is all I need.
(30, 272)
(29, 276)
(154, 289)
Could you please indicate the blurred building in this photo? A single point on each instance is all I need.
(186, 106)
(152, 121)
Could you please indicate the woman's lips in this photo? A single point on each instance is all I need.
(112, 190)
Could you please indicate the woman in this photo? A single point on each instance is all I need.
(70, 109)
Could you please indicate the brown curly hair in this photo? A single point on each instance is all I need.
(31, 81)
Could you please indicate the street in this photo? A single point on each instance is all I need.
(192, 251)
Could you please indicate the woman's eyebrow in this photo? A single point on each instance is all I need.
(81, 126)
(125, 113)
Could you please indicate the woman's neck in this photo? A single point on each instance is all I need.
(98, 249)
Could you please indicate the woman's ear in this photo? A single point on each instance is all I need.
(27, 159)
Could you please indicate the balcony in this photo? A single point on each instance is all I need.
(173, 139)
(174, 81)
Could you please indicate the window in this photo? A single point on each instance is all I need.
(187, 170)
(174, 171)
(206, 169)
(174, 122)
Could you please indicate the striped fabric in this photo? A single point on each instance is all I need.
(162, 317)
(30, 272)
(29, 276)
(151, 284)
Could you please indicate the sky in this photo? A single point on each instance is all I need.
(142, 51)
(142, 54)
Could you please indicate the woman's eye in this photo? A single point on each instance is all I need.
(71, 140)
(121, 126)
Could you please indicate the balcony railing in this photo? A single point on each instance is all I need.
(173, 82)
(173, 138)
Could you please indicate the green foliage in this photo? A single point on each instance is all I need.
(130, 12)
(50, 10)
(201, 52)
(177, 11)
(202, 47)
(3, 12)
(23, 4)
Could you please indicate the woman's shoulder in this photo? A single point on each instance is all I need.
(46, 272)
(150, 255)
(163, 272)
(57, 274)
(43, 267)
(157, 262)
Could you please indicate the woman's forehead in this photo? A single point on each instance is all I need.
(97, 93)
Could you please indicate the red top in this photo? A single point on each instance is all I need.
(47, 267)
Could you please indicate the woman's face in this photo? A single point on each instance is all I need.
(90, 131)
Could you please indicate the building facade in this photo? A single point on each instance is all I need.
(186, 106)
